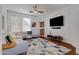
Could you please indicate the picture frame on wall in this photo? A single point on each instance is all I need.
(33, 24)
(42, 24)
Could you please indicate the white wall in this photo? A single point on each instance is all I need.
(0, 20)
(36, 30)
(70, 30)
(0, 30)
(4, 13)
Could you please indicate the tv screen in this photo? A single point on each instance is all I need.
(57, 21)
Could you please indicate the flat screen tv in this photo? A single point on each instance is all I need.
(57, 21)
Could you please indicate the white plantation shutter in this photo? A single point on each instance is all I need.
(19, 24)
(15, 24)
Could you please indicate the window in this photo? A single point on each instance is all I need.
(19, 24)
(26, 24)
(15, 24)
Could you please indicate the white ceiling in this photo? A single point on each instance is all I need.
(25, 8)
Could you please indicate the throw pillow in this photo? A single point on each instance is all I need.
(8, 39)
(12, 38)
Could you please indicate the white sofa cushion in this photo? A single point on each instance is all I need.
(18, 49)
(21, 47)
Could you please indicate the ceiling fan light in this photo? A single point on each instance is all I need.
(35, 12)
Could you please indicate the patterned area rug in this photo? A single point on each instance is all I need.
(40, 46)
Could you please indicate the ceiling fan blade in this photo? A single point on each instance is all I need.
(40, 12)
(36, 10)
(31, 11)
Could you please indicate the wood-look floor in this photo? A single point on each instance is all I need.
(71, 47)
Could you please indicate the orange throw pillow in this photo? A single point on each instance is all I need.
(8, 46)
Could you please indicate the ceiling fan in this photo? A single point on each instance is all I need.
(36, 11)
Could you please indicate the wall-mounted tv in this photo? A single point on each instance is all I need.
(57, 21)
